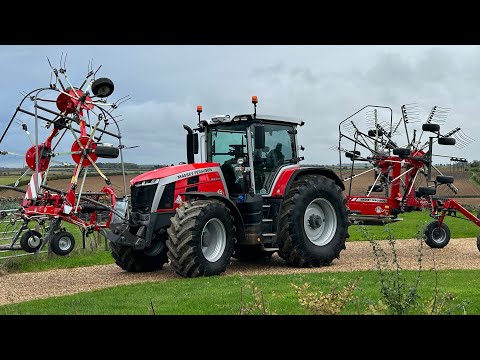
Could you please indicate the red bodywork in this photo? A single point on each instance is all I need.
(391, 166)
(282, 180)
(210, 179)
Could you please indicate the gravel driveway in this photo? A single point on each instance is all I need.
(458, 254)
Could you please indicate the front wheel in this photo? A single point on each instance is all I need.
(201, 238)
(314, 222)
(437, 236)
(149, 259)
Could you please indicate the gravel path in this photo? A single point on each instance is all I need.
(459, 254)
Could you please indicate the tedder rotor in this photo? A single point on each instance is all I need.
(73, 121)
(405, 177)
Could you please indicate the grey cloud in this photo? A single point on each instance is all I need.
(319, 84)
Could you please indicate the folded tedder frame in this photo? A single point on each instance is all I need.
(397, 169)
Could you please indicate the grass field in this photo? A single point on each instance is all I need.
(221, 294)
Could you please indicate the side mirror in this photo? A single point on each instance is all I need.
(102, 87)
(195, 143)
(259, 137)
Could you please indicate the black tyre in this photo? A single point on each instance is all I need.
(422, 191)
(431, 127)
(314, 223)
(401, 152)
(446, 141)
(103, 87)
(250, 253)
(352, 154)
(437, 236)
(107, 152)
(445, 179)
(201, 238)
(62, 243)
(374, 133)
(31, 241)
(376, 188)
(478, 242)
(132, 260)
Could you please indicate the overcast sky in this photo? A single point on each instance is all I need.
(321, 85)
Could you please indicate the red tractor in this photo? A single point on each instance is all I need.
(249, 199)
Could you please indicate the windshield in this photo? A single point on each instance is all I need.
(226, 144)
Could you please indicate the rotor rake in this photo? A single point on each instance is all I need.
(405, 177)
(60, 112)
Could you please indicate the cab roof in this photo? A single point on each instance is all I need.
(245, 117)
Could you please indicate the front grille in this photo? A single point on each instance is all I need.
(166, 202)
(142, 197)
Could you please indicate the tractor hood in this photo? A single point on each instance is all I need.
(176, 172)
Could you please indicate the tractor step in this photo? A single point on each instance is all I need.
(269, 235)
(273, 249)
(267, 206)
(267, 220)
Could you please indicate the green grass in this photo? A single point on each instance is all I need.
(77, 258)
(412, 222)
(221, 294)
(7, 180)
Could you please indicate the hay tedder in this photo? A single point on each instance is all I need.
(58, 113)
(404, 175)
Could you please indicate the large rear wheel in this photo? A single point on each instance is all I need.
(201, 238)
(314, 222)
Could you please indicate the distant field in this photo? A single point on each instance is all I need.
(94, 183)
(359, 184)
(5, 180)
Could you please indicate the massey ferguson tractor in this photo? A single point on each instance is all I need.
(248, 199)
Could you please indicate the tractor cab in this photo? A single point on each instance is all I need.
(250, 149)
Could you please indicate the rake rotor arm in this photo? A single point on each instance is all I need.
(17, 110)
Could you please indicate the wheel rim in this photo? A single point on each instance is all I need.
(214, 240)
(439, 235)
(33, 241)
(320, 222)
(64, 243)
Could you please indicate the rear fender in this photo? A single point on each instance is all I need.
(285, 181)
